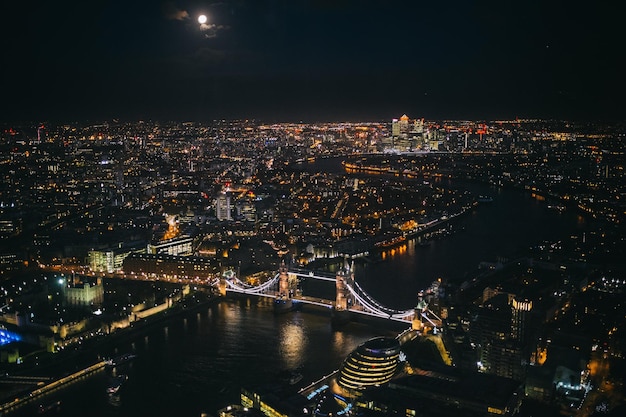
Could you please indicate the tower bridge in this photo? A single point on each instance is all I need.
(350, 297)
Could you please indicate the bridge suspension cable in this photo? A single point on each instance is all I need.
(251, 289)
(378, 311)
(379, 306)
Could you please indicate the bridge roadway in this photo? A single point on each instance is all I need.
(321, 275)
(274, 294)
(271, 293)
(321, 303)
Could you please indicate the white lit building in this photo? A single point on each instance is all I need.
(83, 293)
(180, 246)
(223, 209)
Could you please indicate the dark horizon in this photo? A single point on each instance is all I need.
(311, 60)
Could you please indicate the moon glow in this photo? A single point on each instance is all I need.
(202, 19)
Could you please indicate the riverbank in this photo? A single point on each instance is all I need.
(59, 365)
(30, 396)
(423, 234)
(57, 371)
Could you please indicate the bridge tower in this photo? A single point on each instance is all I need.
(341, 299)
(284, 286)
(222, 286)
(287, 287)
(343, 279)
(417, 322)
(424, 319)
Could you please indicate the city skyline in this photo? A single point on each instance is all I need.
(501, 245)
(312, 61)
(312, 207)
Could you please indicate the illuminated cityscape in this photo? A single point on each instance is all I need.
(118, 225)
(312, 208)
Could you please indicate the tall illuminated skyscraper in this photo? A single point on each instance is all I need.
(501, 331)
(404, 124)
(400, 126)
(520, 318)
(222, 207)
(395, 128)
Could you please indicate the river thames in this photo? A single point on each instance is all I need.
(504, 228)
(198, 363)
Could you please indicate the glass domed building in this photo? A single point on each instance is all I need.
(372, 363)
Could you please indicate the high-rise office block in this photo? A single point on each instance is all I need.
(222, 207)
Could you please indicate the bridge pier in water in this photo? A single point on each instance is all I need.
(222, 286)
(287, 287)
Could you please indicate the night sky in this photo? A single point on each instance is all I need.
(311, 60)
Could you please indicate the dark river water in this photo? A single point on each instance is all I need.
(513, 222)
(503, 229)
(198, 363)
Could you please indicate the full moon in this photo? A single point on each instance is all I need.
(202, 19)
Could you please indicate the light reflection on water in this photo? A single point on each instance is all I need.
(237, 343)
(293, 341)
